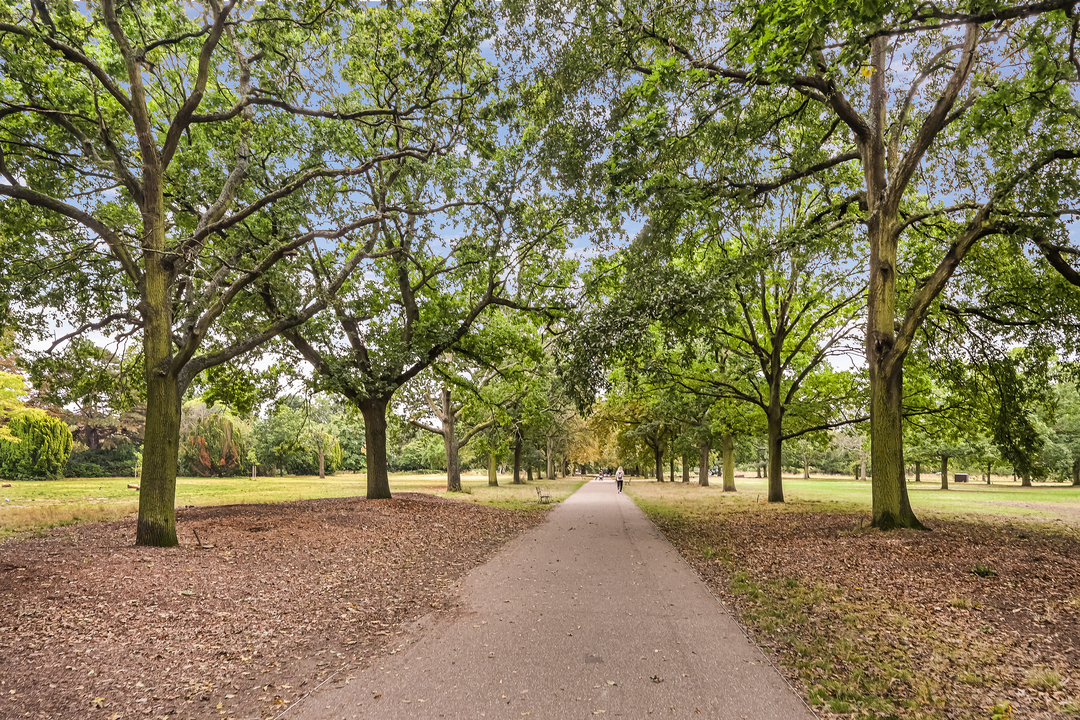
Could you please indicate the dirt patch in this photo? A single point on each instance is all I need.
(289, 596)
(900, 625)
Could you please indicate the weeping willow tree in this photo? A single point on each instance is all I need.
(214, 448)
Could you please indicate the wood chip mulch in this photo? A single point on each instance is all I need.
(904, 612)
(287, 597)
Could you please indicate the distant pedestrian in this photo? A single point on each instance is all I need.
(618, 478)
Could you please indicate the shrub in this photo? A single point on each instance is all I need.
(43, 448)
(119, 461)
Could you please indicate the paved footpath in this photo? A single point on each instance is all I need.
(592, 614)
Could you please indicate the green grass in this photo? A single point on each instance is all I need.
(1054, 502)
(32, 506)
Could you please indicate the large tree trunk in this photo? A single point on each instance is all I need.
(161, 444)
(891, 506)
(1025, 480)
(944, 472)
(92, 435)
(703, 466)
(450, 444)
(161, 448)
(727, 450)
(884, 360)
(493, 470)
(378, 480)
(685, 468)
(918, 471)
(518, 442)
(528, 472)
(322, 463)
(776, 480)
(658, 455)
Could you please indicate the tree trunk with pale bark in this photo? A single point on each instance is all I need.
(727, 450)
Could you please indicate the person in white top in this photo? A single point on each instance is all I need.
(618, 478)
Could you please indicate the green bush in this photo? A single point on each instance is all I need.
(84, 470)
(119, 461)
(43, 448)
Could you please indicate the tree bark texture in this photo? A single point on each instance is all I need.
(550, 458)
(776, 480)
(891, 506)
(727, 450)
(671, 461)
(450, 444)
(161, 447)
(685, 468)
(493, 471)
(658, 455)
(517, 458)
(944, 472)
(378, 480)
(918, 471)
(1076, 472)
(703, 465)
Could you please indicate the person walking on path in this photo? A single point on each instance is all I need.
(618, 478)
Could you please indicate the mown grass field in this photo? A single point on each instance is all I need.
(1055, 503)
(30, 506)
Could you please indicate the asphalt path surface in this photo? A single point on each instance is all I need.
(592, 614)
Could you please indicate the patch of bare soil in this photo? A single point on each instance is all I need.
(900, 625)
(288, 597)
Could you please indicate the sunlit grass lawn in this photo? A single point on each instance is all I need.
(1055, 502)
(35, 505)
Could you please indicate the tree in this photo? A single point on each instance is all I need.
(12, 386)
(279, 436)
(735, 100)
(754, 323)
(93, 386)
(348, 427)
(448, 414)
(40, 448)
(215, 448)
(166, 162)
(431, 285)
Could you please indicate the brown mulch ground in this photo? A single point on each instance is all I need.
(289, 596)
(902, 614)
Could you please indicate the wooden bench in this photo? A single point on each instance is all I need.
(542, 495)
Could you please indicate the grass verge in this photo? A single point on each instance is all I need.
(973, 620)
(34, 506)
